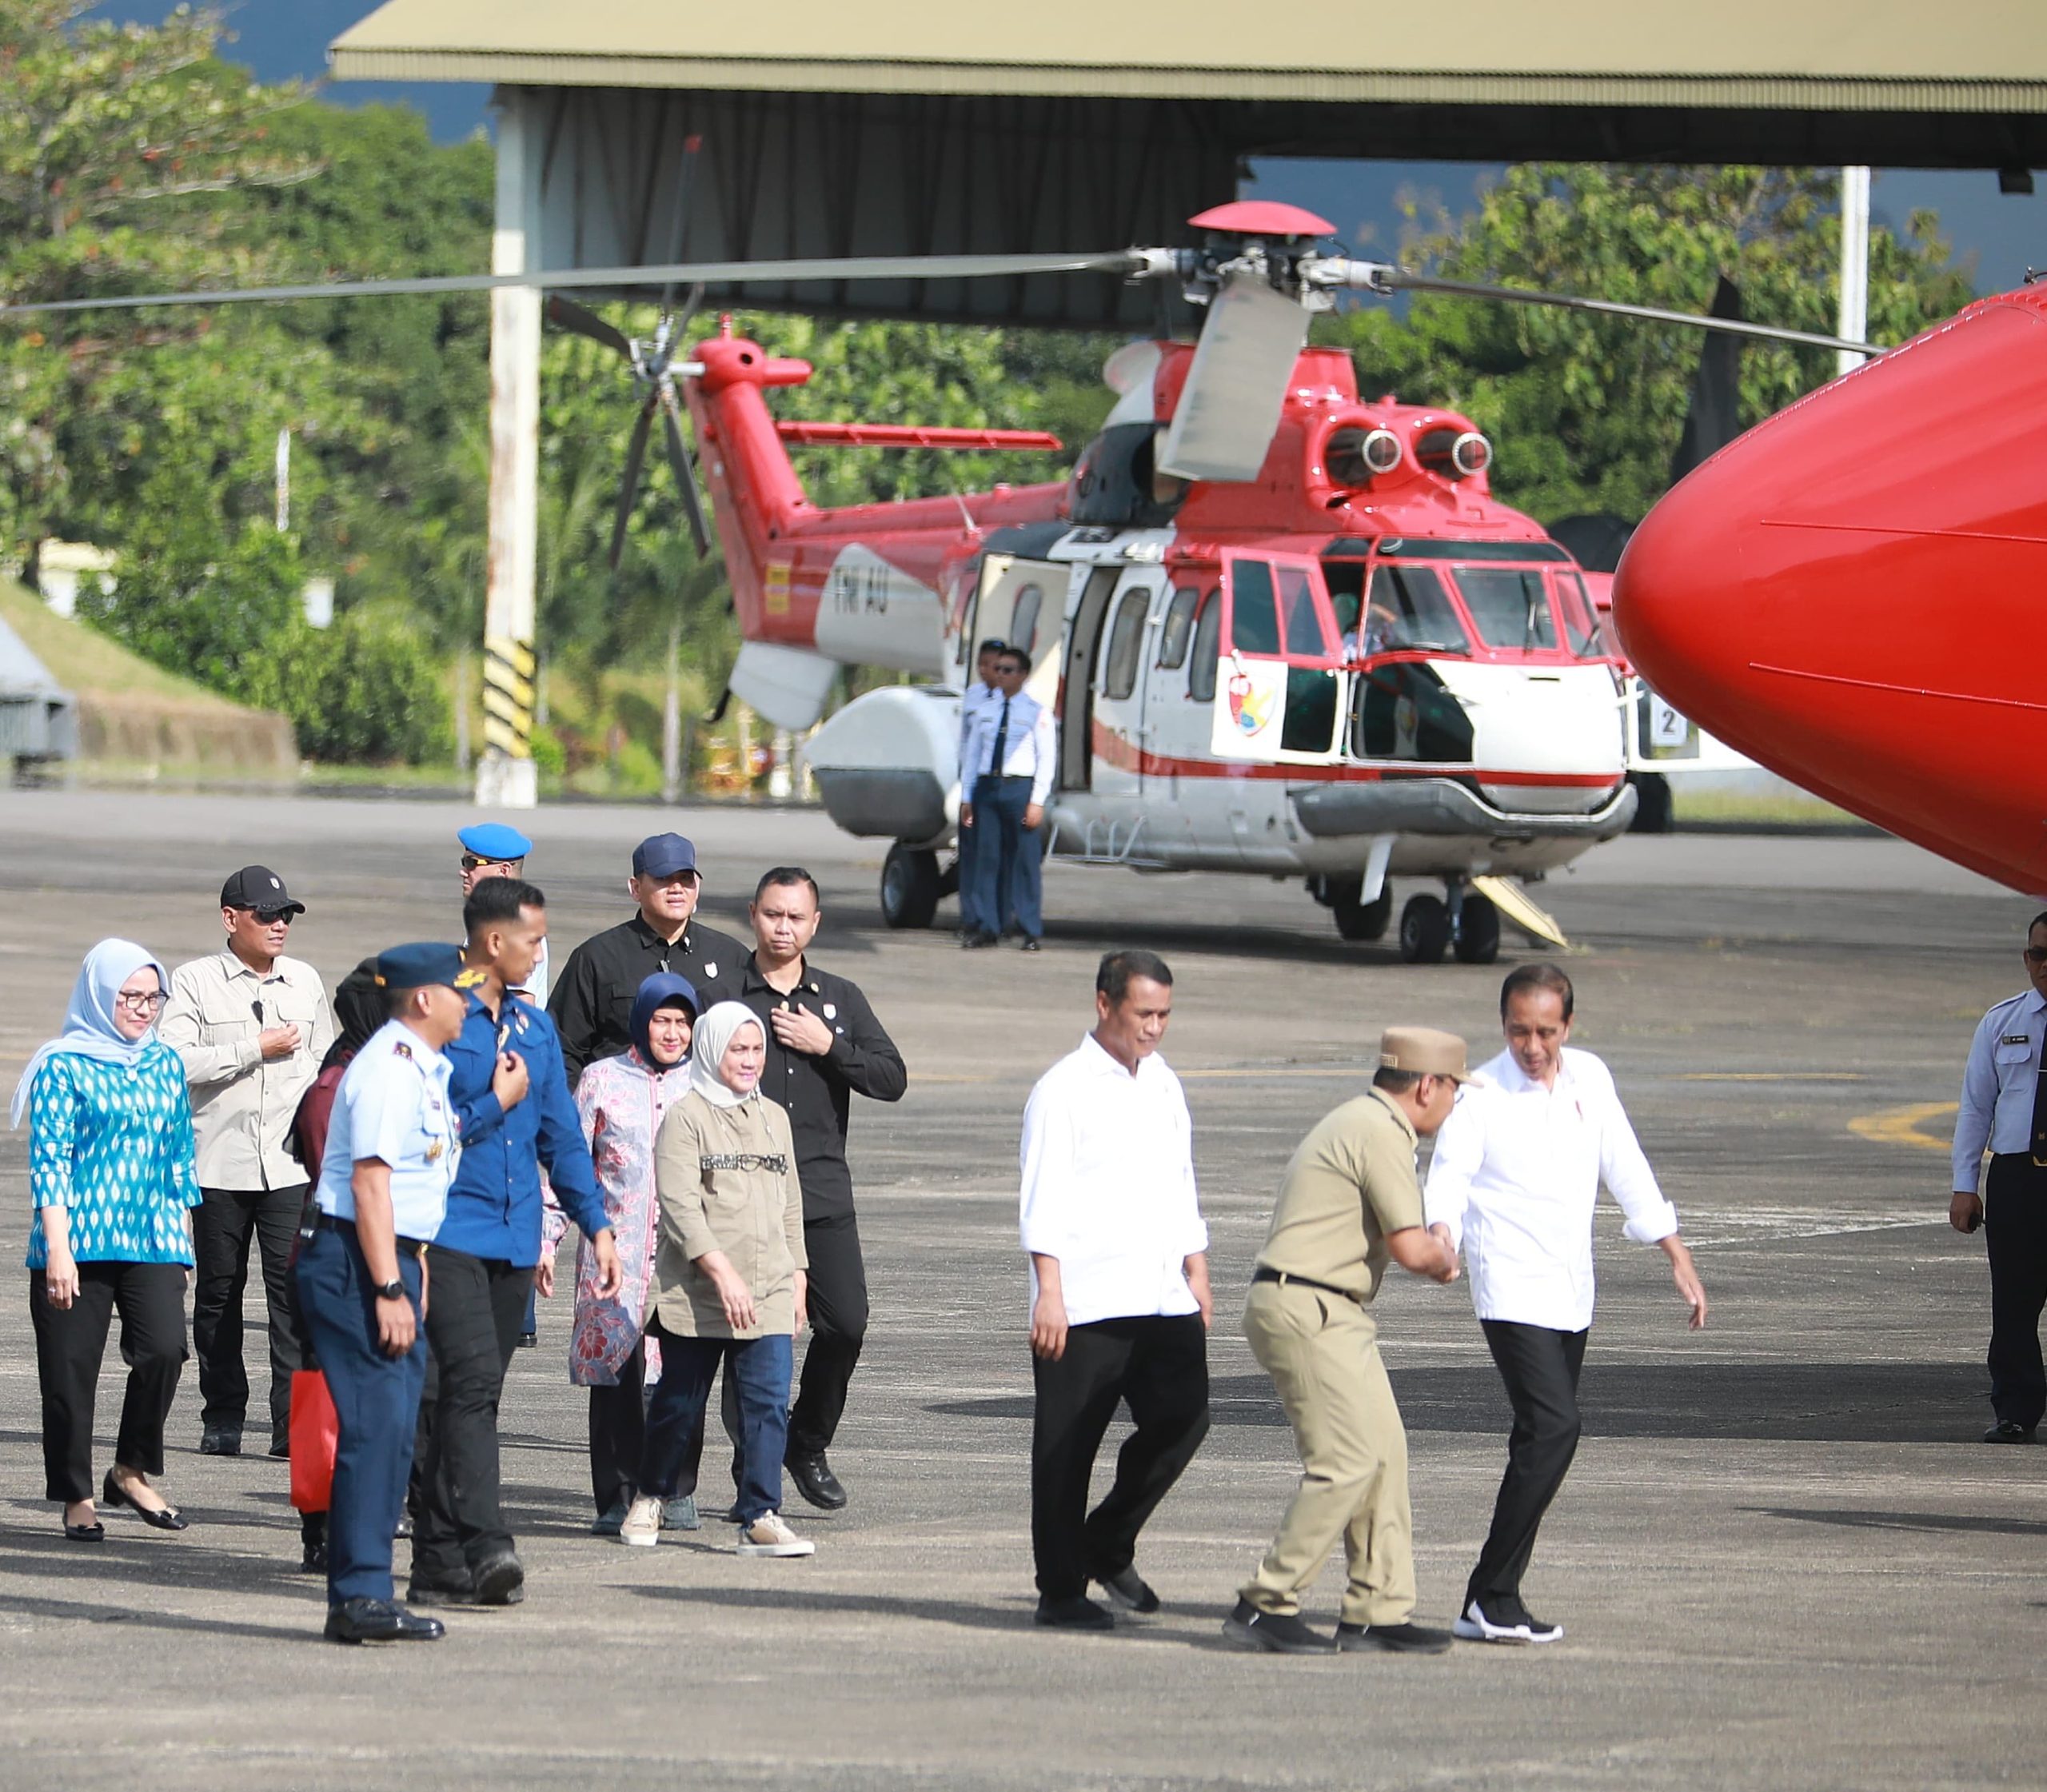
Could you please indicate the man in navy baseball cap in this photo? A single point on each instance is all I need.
(662, 856)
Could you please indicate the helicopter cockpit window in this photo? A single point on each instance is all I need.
(1207, 646)
(1409, 608)
(1177, 629)
(1509, 605)
(1126, 645)
(1582, 628)
(1023, 619)
(1305, 635)
(1255, 609)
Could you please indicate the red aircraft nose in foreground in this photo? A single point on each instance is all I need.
(1850, 593)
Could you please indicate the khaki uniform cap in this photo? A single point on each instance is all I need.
(1424, 1051)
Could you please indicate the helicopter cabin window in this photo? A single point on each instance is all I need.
(1126, 645)
(1582, 628)
(1207, 648)
(1177, 629)
(1411, 609)
(1023, 619)
(1305, 635)
(1255, 609)
(1509, 605)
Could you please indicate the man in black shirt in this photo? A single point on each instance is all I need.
(824, 1046)
(592, 1003)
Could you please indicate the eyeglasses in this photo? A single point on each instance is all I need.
(140, 1005)
(2035, 955)
(471, 862)
(270, 917)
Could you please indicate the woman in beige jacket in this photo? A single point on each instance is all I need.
(729, 1280)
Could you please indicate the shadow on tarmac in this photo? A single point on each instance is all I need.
(1809, 1402)
(1856, 1519)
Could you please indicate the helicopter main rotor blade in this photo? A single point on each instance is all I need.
(1231, 404)
(690, 145)
(706, 273)
(684, 465)
(1391, 279)
(628, 493)
(569, 315)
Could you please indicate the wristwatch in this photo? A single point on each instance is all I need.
(391, 1291)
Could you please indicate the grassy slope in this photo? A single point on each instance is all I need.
(82, 659)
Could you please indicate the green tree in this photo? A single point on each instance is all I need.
(1585, 412)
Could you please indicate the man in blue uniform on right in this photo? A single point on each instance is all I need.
(2004, 1111)
(392, 1148)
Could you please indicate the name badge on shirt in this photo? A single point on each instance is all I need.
(2016, 1039)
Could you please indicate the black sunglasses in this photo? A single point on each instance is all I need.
(270, 917)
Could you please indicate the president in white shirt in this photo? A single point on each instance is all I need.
(1009, 757)
(1120, 1304)
(1515, 1180)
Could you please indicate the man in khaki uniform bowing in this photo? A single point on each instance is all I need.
(1348, 1202)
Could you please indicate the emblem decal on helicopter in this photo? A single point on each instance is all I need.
(1250, 700)
(1249, 708)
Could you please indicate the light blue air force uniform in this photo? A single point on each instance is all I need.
(393, 1104)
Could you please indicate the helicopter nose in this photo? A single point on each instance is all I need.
(1848, 593)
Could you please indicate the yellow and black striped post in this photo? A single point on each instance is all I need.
(507, 696)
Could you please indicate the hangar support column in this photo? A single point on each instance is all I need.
(505, 774)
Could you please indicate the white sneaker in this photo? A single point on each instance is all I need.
(642, 1528)
(769, 1534)
(1510, 1622)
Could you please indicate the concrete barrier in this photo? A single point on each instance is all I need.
(162, 737)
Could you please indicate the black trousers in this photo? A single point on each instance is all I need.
(222, 1226)
(474, 1310)
(618, 1432)
(70, 1344)
(1540, 1368)
(2015, 1234)
(1160, 1366)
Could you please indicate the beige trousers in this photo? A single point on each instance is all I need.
(1321, 1352)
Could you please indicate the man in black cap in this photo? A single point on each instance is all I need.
(252, 1026)
(592, 1004)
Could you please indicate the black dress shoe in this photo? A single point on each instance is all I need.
(166, 1517)
(974, 942)
(1075, 1612)
(1030, 943)
(379, 1620)
(280, 1444)
(1277, 1633)
(816, 1483)
(529, 1340)
(499, 1580)
(92, 1533)
(1127, 1589)
(2009, 1431)
(1395, 1639)
(314, 1560)
(221, 1440)
(440, 1593)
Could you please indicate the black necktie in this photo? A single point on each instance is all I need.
(2040, 1111)
(1001, 742)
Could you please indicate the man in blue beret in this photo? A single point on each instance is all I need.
(392, 1147)
(592, 1004)
(496, 849)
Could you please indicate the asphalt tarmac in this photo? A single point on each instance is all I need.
(1782, 1559)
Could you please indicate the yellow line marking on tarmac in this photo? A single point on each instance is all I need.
(1900, 1126)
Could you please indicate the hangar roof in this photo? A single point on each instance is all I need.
(1989, 56)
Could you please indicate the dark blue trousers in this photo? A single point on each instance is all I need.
(974, 917)
(1009, 861)
(759, 1368)
(377, 1402)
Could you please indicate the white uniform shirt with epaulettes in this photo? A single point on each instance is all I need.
(1999, 1086)
(393, 1104)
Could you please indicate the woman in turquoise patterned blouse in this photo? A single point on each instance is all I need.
(111, 1174)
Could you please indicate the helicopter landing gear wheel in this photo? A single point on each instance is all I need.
(1478, 940)
(1425, 930)
(1362, 921)
(911, 885)
(1655, 811)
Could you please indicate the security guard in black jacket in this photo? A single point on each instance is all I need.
(592, 1003)
(824, 1047)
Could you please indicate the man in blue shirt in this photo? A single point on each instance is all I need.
(392, 1146)
(512, 1097)
(1008, 760)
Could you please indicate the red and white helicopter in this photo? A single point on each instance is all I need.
(1285, 630)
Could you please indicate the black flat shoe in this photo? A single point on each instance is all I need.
(168, 1518)
(1074, 1612)
(816, 1483)
(380, 1621)
(92, 1533)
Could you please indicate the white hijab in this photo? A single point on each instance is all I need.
(88, 1027)
(707, 1050)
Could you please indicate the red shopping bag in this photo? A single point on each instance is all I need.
(314, 1430)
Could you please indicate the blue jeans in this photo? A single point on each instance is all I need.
(760, 1368)
(1008, 864)
(376, 1400)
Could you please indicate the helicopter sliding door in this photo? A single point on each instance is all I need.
(1022, 602)
(1120, 733)
(1083, 647)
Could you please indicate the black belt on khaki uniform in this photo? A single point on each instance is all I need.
(1266, 1273)
(328, 1222)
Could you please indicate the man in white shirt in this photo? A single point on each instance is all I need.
(251, 1026)
(1120, 1303)
(985, 689)
(1515, 1180)
(1007, 760)
(2004, 1111)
